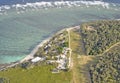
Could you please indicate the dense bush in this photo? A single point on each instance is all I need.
(107, 70)
(100, 35)
(103, 37)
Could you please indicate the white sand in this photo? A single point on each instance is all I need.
(31, 55)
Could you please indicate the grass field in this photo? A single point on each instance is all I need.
(38, 74)
(81, 62)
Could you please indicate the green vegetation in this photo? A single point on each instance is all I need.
(81, 62)
(75, 38)
(107, 70)
(101, 39)
(55, 46)
(4, 80)
(38, 74)
(41, 72)
(100, 35)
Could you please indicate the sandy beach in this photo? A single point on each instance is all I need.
(31, 55)
(28, 57)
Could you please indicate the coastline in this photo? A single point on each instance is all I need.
(31, 55)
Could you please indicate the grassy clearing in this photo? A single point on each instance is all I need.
(74, 39)
(81, 62)
(38, 74)
(84, 63)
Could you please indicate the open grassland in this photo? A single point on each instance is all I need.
(74, 39)
(81, 62)
(38, 74)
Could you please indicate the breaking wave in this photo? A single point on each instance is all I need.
(52, 4)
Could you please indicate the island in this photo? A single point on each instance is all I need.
(87, 53)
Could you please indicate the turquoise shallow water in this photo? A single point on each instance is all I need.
(20, 33)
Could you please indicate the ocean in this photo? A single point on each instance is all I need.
(10, 2)
(23, 25)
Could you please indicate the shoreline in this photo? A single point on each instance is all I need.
(32, 53)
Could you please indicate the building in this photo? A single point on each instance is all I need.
(36, 59)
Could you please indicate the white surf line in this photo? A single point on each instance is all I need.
(57, 4)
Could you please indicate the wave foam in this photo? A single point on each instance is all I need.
(55, 4)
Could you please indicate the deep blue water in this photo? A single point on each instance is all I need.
(10, 2)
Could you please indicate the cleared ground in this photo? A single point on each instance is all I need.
(81, 62)
(38, 74)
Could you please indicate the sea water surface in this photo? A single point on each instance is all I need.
(22, 27)
(10, 2)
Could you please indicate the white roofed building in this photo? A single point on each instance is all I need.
(36, 59)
